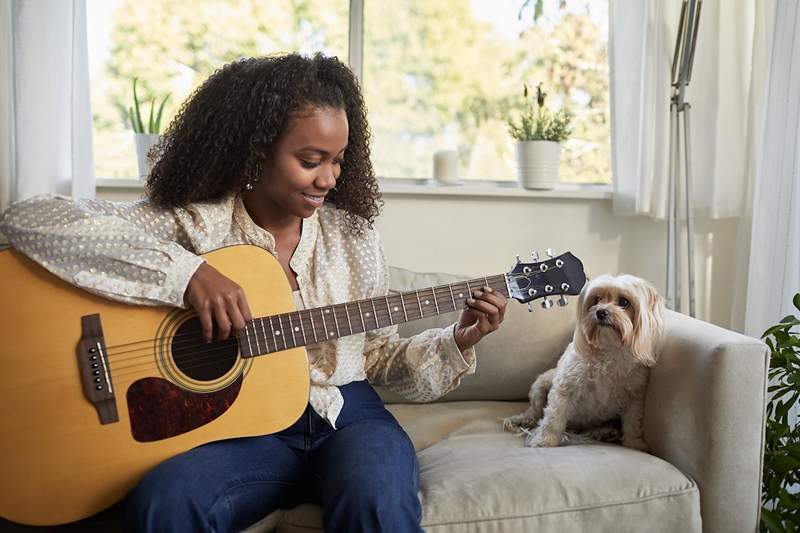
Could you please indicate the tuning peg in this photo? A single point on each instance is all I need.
(518, 259)
(562, 302)
(550, 253)
(530, 307)
(547, 304)
(535, 255)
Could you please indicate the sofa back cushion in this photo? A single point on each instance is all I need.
(509, 359)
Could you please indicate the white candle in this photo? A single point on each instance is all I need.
(445, 167)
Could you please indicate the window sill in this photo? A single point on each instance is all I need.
(430, 188)
(493, 189)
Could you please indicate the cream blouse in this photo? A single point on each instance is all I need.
(137, 253)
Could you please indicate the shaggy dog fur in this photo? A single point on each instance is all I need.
(598, 387)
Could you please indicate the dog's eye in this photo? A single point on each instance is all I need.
(623, 303)
(596, 300)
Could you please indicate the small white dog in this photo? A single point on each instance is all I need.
(601, 378)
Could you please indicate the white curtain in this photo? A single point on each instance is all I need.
(45, 111)
(642, 40)
(774, 252)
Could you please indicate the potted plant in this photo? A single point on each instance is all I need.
(780, 511)
(539, 134)
(145, 134)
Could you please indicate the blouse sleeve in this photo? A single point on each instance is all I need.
(421, 368)
(127, 251)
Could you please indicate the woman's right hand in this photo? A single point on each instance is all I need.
(217, 300)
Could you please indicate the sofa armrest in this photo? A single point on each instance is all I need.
(705, 414)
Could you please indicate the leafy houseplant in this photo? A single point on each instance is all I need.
(145, 135)
(539, 133)
(780, 499)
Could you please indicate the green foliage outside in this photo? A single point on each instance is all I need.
(435, 76)
(541, 124)
(780, 511)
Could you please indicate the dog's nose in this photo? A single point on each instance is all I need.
(602, 314)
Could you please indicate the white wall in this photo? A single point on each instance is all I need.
(480, 235)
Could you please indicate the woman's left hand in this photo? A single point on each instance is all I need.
(483, 315)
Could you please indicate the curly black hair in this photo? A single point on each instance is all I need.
(226, 130)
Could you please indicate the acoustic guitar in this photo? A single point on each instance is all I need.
(94, 393)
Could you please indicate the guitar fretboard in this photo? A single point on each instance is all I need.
(274, 333)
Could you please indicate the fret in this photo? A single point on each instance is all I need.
(313, 327)
(361, 315)
(419, 303)
(435, 303)
(291, 328)
(403, 303)
(389, 309)
(247, 335)
(452, 297)
(324, 325)
(347, 313)
(374, 312)
(335, 321)
(283, 332)
(264, 333)
(469, 290)
(302, 329)
(255, 336)
(276, 334)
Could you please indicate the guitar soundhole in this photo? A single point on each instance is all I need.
(200, 360)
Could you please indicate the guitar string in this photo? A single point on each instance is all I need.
(209, 358)
(148, 341)
(114, 353)
(500, 280)
(210, 355)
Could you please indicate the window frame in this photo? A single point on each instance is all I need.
(407, 186)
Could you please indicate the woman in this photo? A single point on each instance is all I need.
(272, 152)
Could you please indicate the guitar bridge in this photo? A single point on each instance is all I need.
(94, 368)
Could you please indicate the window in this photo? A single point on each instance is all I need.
(448, 74)
(436, 75)
(171, 47)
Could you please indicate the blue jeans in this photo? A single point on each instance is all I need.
(364, 475)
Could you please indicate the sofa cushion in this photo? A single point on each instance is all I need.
(475, 477)
(507, 361)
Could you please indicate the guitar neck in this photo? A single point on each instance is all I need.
(274, 333)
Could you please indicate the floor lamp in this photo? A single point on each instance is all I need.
(682, 62)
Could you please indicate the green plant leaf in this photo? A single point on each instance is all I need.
(160, 111)
(150, 119)
(772, 520)
(796, 301)
(785, 463)
(132, 119)
(139, 128)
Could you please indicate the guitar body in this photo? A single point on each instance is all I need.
(60, 463)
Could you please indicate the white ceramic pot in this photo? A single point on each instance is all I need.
(144, 141)
(538, 163)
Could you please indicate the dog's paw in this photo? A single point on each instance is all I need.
(542, 439)
(637, 443)
(518, 423)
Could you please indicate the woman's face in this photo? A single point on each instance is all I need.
(305, 164)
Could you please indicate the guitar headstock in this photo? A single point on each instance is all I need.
(554, 276)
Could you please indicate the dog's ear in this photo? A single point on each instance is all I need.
(649, 327)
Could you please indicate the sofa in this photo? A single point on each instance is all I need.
(704, 421)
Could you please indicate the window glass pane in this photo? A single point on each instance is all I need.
(449, 74)
(172, 46)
